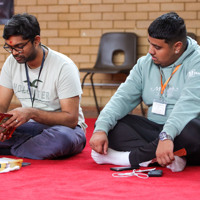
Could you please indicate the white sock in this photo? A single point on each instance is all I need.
(112, 157)
(178, 164)
(145, 164)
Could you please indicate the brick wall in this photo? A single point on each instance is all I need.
(74, 27)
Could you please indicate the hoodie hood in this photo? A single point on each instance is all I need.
(191, 47)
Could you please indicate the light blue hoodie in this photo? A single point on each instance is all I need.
(182, 94)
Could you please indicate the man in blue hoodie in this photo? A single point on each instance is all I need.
(168, 81)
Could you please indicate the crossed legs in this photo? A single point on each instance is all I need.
(134, 140)
(38, 141)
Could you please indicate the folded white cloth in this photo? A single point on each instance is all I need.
(177, 165)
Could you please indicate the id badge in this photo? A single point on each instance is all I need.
(159, 107)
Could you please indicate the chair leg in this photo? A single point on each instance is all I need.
(94, 93)
(83, 81)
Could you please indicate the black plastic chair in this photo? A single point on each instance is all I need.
(111, 43)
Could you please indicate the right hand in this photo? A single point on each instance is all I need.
(164, 152)
(99, 142)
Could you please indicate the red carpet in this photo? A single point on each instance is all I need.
(79, 177)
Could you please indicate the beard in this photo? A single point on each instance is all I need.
(23, 59)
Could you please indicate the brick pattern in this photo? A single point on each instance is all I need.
(74, 27)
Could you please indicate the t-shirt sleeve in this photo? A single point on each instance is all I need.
(69, 81)
(6, 75)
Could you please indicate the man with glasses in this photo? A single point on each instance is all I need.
(18, 48)
(50, 123)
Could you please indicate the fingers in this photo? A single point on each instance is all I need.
(165, 159)
(99, 148)
(14, 123)
(17, 122)
(164, 152)
(99, 143)
(105, 148)
(2, 137)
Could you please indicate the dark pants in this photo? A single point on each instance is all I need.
(37, 141)
(140, 136)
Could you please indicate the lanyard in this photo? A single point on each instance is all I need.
(28, 79)
(165, 84)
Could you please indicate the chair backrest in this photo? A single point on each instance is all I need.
(117, 41)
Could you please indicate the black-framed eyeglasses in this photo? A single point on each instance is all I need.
(18, 49)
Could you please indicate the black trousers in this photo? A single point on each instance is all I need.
(140, 136)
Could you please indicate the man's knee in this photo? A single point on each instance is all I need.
(52, 143)
(67, 141)
(191, 130)
(189, 138)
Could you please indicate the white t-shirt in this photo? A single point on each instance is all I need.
(59, 79)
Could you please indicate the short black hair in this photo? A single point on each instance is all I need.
(169, 27)
(22, 24)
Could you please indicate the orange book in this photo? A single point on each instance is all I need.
(8, 132)
(181, 152)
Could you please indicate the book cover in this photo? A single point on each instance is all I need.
(9, 164)
(8, 132)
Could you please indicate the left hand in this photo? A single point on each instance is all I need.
(164, 152)
(20, 116)
(2, 137)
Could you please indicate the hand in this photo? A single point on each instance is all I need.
(2, 137)
(20, 116)
(164, 152)
(99, 142)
